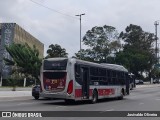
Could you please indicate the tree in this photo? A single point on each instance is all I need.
(85, 55)
(156, 73)
(101, 42)
(56, 51)
(25, 59)
(138, 54)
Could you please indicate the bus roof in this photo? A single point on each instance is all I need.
(57, 58)
(115, 66)
(103, 65)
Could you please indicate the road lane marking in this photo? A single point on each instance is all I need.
(141, 103)
(107, 110)
(110, 110)
(25, 103)
(12, 100)
(60, 106)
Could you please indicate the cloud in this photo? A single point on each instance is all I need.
(54, 28)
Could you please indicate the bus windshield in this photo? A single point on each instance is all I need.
(55, 65)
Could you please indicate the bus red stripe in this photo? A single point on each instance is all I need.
(90, 92)
(101, 92)
(78, 93)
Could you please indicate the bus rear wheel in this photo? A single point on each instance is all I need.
(36, 97)
(68, 101)
(122, 94)
(94, 97)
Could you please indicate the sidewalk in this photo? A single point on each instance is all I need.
(147, 85)
(17, 89)
(20, 92)
(15, 93)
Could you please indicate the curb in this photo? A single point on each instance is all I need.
(149, 86)
(17, 89)
(12, 94)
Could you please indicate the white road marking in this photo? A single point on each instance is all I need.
(107, 110)
(110, 110)
(10, 100)
(25, 103)
(132, 96)
(60, 106)
(141, 103)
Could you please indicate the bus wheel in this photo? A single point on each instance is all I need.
(94, 97)
(68, 101)
(122, 94)
(36, 97)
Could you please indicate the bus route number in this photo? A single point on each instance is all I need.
(54, 82)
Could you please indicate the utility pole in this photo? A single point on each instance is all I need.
(1, 79)
(1, 72)
(80, 34)
(156, 23)
(1, 69)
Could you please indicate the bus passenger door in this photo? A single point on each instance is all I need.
(85, 82)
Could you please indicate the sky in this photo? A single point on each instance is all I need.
(59, 25)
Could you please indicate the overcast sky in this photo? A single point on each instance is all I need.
(51, 27)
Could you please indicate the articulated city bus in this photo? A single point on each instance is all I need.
(72, 79)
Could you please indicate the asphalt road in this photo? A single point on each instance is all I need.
(140, 99)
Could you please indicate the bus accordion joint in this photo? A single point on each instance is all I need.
(70, 87)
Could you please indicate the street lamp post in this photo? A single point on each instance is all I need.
(1, 69)
(80, 33)
(2, 65)
(156, 23)
(1, 78)
(158, 44)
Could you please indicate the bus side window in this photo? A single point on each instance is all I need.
(126, 78)
(122, 78)
(77, 70)
(94, 78)
(117, 78)
(109, 78)
(114, 77)
(77, 74)
(102, 76)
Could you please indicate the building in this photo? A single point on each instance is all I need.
(13, 33)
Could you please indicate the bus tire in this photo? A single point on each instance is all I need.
(94, 97)
(122, 94)
(68, 101)
(36, 97)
